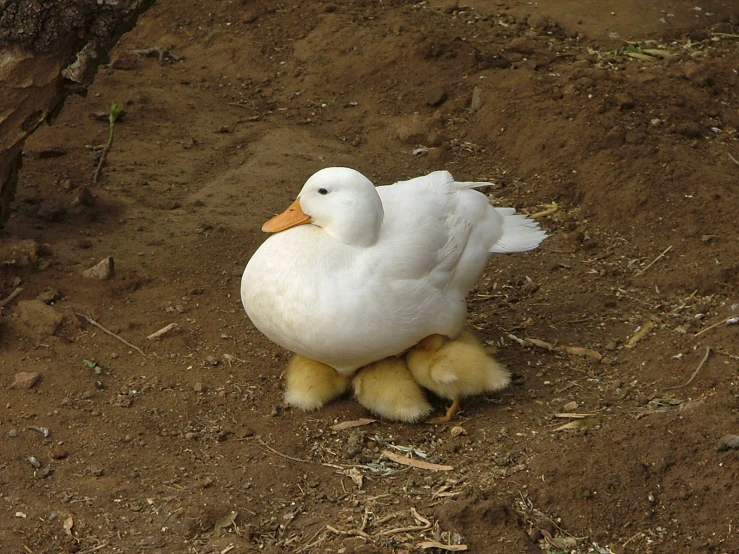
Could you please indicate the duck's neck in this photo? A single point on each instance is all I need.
(358, 227)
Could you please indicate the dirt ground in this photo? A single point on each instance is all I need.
(185, 446)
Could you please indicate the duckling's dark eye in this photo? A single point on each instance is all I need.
(322, 191)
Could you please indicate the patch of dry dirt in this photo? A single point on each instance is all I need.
(152, 453)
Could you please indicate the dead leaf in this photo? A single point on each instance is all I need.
(448, 547)
(580, 351)
(573, 415)
(578, 424)
(355, 475)
(68, 525)
(349, 424)
(420, 464)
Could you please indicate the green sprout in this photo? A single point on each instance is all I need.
(114, 112)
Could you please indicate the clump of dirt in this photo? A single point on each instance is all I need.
(620, 125)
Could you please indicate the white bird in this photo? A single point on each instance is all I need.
(354, 274)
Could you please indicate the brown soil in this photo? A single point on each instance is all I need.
(152, 453)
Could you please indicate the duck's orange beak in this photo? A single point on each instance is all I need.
(291, 217)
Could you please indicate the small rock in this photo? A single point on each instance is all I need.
(13, 433)
(354, 443)
(104, 269)
(59, 453)
(690, 130)
(728, 441)
(84, 197)
(52, 214)
(458, 431)
(124, 61)
(199, 387)
(477, 102)
(20, 254)
(614, 138)
(611, 346)
(49, 295)
(45, 472)
(420, 151)
(570, 406)
(707, 238)
(522, 45)
(436, 96)
(25, 380)
(96, 471)
(211, 361)
(625, 101)
(34, 462)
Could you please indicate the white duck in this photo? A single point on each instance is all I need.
(354, 273)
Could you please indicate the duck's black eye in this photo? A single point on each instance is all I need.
(322, 191)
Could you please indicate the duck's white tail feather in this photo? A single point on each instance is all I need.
(520, 233)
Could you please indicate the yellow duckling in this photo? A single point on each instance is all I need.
(455, 369)
(387, 388)
(310, 384)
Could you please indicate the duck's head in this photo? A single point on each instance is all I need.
(339, 200)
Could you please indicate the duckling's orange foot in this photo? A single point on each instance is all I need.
(446, 418)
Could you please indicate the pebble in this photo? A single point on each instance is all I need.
(49, 295)
(25, 379)
(728, 441)
(477, 101)
(83, 197)
(54, 214)
(436, 96)
(59, 453)
(522, 45)
(103, 270)
(96, 471)
(13, 433)
(34, 462)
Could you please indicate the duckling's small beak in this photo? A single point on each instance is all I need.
(289, 218)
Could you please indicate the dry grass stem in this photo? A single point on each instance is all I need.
(8, 299)
(714, 325)
(111, 333)
(654, 261)
(697, 369)
(162, 331)
(420, 464)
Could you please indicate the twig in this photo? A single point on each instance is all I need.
(733, 159)
(162, 331)
(697, 369)
(268, 447)
(94, 548)
(350, 533)
(665, 251)
(714, 325)
(8, 299)
(111, 333)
